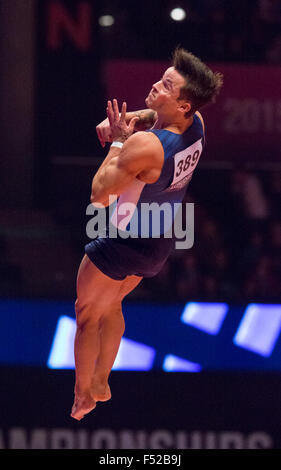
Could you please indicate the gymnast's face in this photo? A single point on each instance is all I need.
(164, 94)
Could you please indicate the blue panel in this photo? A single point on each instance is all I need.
(216, 337)
(177, 364)
(27, 329)
(259, 329)
(134, 356)
(205, 316)
(131, 355)
(62, 351)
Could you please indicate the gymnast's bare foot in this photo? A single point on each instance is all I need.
(83, 404)
(100, 391)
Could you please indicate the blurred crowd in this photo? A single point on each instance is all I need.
(215, 30)
(236, 256)
(247, 31)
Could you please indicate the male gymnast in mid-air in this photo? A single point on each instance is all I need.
(152, 157)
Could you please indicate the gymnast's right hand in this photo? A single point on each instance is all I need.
(104, 132)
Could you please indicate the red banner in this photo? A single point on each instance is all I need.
(245, 123)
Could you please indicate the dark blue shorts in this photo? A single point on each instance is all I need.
(119, 257)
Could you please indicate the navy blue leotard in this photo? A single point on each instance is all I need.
(146, 250)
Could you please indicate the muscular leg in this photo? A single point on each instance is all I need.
(112, 330)
(95, 293)
(99, 331)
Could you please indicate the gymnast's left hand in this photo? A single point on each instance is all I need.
(120, 130)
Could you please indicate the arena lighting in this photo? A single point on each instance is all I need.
(259, 328)
(131, 355)
(177, 364)
(106, 20)
(257, 332)
(134, 356)
(178, 14)
(62, 354)
(205, 316)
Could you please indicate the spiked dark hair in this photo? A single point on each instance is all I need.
(202, 85)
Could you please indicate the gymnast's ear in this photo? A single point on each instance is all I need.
(184, 107)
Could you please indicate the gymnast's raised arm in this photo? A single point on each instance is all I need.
(146, 119)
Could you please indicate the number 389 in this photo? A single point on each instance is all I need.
(190, 161)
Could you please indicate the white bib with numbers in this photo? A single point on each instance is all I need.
(185, 163)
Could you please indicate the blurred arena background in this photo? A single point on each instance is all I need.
(200, 362)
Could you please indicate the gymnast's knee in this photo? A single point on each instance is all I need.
(87, 313)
